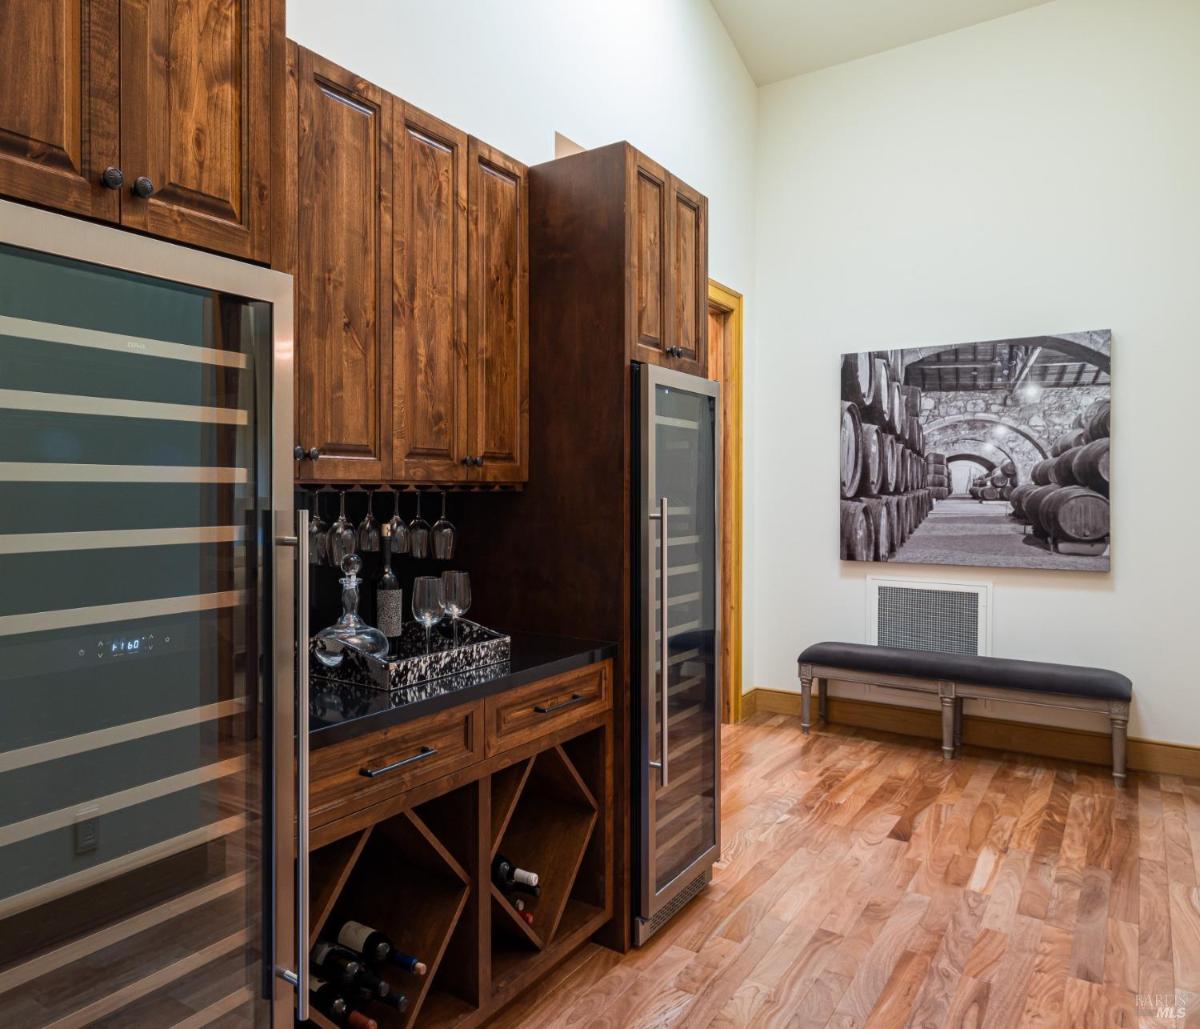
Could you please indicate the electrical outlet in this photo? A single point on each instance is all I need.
(87, 829)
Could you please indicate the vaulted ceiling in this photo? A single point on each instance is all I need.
(781, 38)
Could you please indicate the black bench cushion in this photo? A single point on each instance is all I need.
(981, 671)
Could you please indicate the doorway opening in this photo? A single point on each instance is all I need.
(725, 365)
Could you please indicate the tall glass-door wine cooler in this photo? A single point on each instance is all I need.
(148, 744)
(677, 616)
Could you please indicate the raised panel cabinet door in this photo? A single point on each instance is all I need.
(195, 120)
(429, 305)
(342, 272)
(498, 315)
(687, 288)
(59, 61)
(649, 264)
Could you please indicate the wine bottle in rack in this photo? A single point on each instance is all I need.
(335, 964)
(329, 999)
(377, 948)
(513, 879)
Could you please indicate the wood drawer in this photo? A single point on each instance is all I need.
(524, 714)
(416, 753)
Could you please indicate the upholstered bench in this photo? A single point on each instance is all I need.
(955, 678)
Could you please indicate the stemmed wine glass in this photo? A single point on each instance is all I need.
(398, 527)
(317, 543)
(418, 533)
(341, 535)
(456, 597)
(368, 531)
(443, 535)
(427, 603)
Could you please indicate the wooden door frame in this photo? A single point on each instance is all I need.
(725, 365)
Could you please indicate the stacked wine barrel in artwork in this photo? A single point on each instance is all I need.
(1067, 501)
(997, 484)
(938, 475)
(884, 477)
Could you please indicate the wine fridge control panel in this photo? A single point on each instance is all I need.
(127, 645)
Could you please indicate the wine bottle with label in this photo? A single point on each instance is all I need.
(510, 878)
(389, 597)
(329, 999)
(377, 948)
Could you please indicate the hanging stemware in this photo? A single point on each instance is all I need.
(442, 534)
(341, 536)
(368, 531)
(418, 534)
(398, 526)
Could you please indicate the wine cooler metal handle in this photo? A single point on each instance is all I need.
(421, 755)
(299, 978)
(549, 709)
(664, 596)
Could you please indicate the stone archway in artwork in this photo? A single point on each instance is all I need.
(976, 418)
(975, 437)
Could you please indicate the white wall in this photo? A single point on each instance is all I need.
(663, 75)
(1038, 173)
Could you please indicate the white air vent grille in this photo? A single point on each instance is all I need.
(947, 618)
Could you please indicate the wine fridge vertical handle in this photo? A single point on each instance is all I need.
(299, 978)
(302, 773)
(664, 593)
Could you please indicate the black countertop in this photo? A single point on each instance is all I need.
(339, 711)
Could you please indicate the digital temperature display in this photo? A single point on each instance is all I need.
(125, 646)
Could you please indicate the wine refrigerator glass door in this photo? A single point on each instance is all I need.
(680, 634)
(136, 669)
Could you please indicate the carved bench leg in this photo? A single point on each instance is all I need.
(1119, 721)
(947, 727)
(805, 704)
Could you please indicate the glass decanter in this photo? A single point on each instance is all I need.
(329, 645)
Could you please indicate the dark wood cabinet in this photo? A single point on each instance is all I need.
(410, 848)
(342, 269)
(155, 114)
(429, 335)
(498, 318)
(667, 276)
(195, 122)
(59, 104)
(687, 245)
(647, 296)
(411, 260)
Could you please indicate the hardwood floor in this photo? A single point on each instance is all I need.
(865, 882)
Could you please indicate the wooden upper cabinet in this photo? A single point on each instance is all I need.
(687, 247)
(667, 286)
(498, 319)
(343, 271)
(58, 103)
(429, 330)
(195, 121)
(649, 268)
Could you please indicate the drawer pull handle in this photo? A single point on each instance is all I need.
(576, 698)
(424, 752)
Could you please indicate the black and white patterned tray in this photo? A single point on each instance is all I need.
(412, 664)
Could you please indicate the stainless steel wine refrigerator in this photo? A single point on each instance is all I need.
(677, 451)
(151, 744)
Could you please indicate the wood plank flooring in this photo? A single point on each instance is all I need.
(865, 882)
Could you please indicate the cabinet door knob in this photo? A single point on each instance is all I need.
(297, 453)
(313, 453)
(143, 187)
(112, 178)
(468, 460)
(479, 462)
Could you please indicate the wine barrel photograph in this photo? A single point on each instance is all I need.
(990, 454)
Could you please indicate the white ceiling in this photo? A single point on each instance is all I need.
(781, 38)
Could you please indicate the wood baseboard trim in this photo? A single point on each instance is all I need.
(994, 733)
